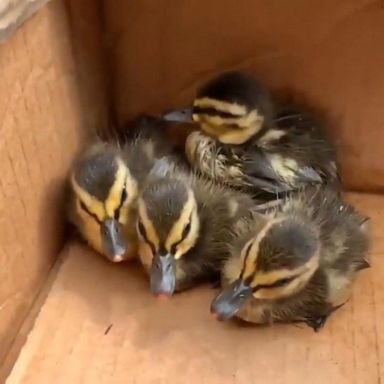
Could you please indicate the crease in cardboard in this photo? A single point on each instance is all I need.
(10, 299)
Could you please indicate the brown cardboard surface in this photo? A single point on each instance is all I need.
(41, 126)
(86, 22)
(329, 52)
(100, 324)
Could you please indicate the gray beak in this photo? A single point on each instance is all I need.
(229, 301)
(183, 115)
(113, 242)
(163, 275)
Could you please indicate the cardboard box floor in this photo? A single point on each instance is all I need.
(100, 324)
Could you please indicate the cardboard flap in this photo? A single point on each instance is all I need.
(14, 12)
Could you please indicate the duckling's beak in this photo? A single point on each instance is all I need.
(229, 301)
(183, 115)
(163, 275)
(113, 242)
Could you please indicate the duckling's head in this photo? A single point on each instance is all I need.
(104, 191)
(275, 264)
(168, 227)
(232, 107)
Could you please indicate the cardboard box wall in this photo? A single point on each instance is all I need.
(48, 105)
(329, 52)
(54, 93)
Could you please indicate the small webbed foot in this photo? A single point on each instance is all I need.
(316, 323)
(364, 264)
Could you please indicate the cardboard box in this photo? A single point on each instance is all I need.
(75, 67)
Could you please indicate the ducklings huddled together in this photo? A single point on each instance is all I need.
(253, 204)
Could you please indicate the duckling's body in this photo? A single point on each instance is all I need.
(284, 158)
(186, 228)
(248, 141)
(106, 180)
(299, 266)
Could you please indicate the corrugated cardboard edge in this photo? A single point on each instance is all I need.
(13, 13)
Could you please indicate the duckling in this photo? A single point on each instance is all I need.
(105, 183)
(185, 226)
(248, 141)
(297, 264)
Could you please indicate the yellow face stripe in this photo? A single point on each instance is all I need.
(94, 205)
(223, 106)
(114, 196)
(106, 209)
(191, 238)
(175, 234)
(147, 223)
(237, 137)
(242, 122)
(177, 228)
(250, 265)
(267, 278)
(302, 273)
(220, 127)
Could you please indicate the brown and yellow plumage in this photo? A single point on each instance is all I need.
(248, 141)
(186, 225)
(105, 183)
(298, 263)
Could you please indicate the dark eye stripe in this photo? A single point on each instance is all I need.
(235, 126)
(184, 234)
(276, 284)
(186, 229)
(85, 209)
(143, 233)
(209, 111)
(124, 196)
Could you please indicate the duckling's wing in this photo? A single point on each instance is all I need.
(308, 175)
(275, 174)
(269, 186)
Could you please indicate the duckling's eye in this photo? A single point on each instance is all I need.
(276, 284)
(282, 282)
(124, 196)
(208, 111)
(174, 248)
(141, 229)
(84, 207)
(279, 283)
(186, 230)
(184, 234)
